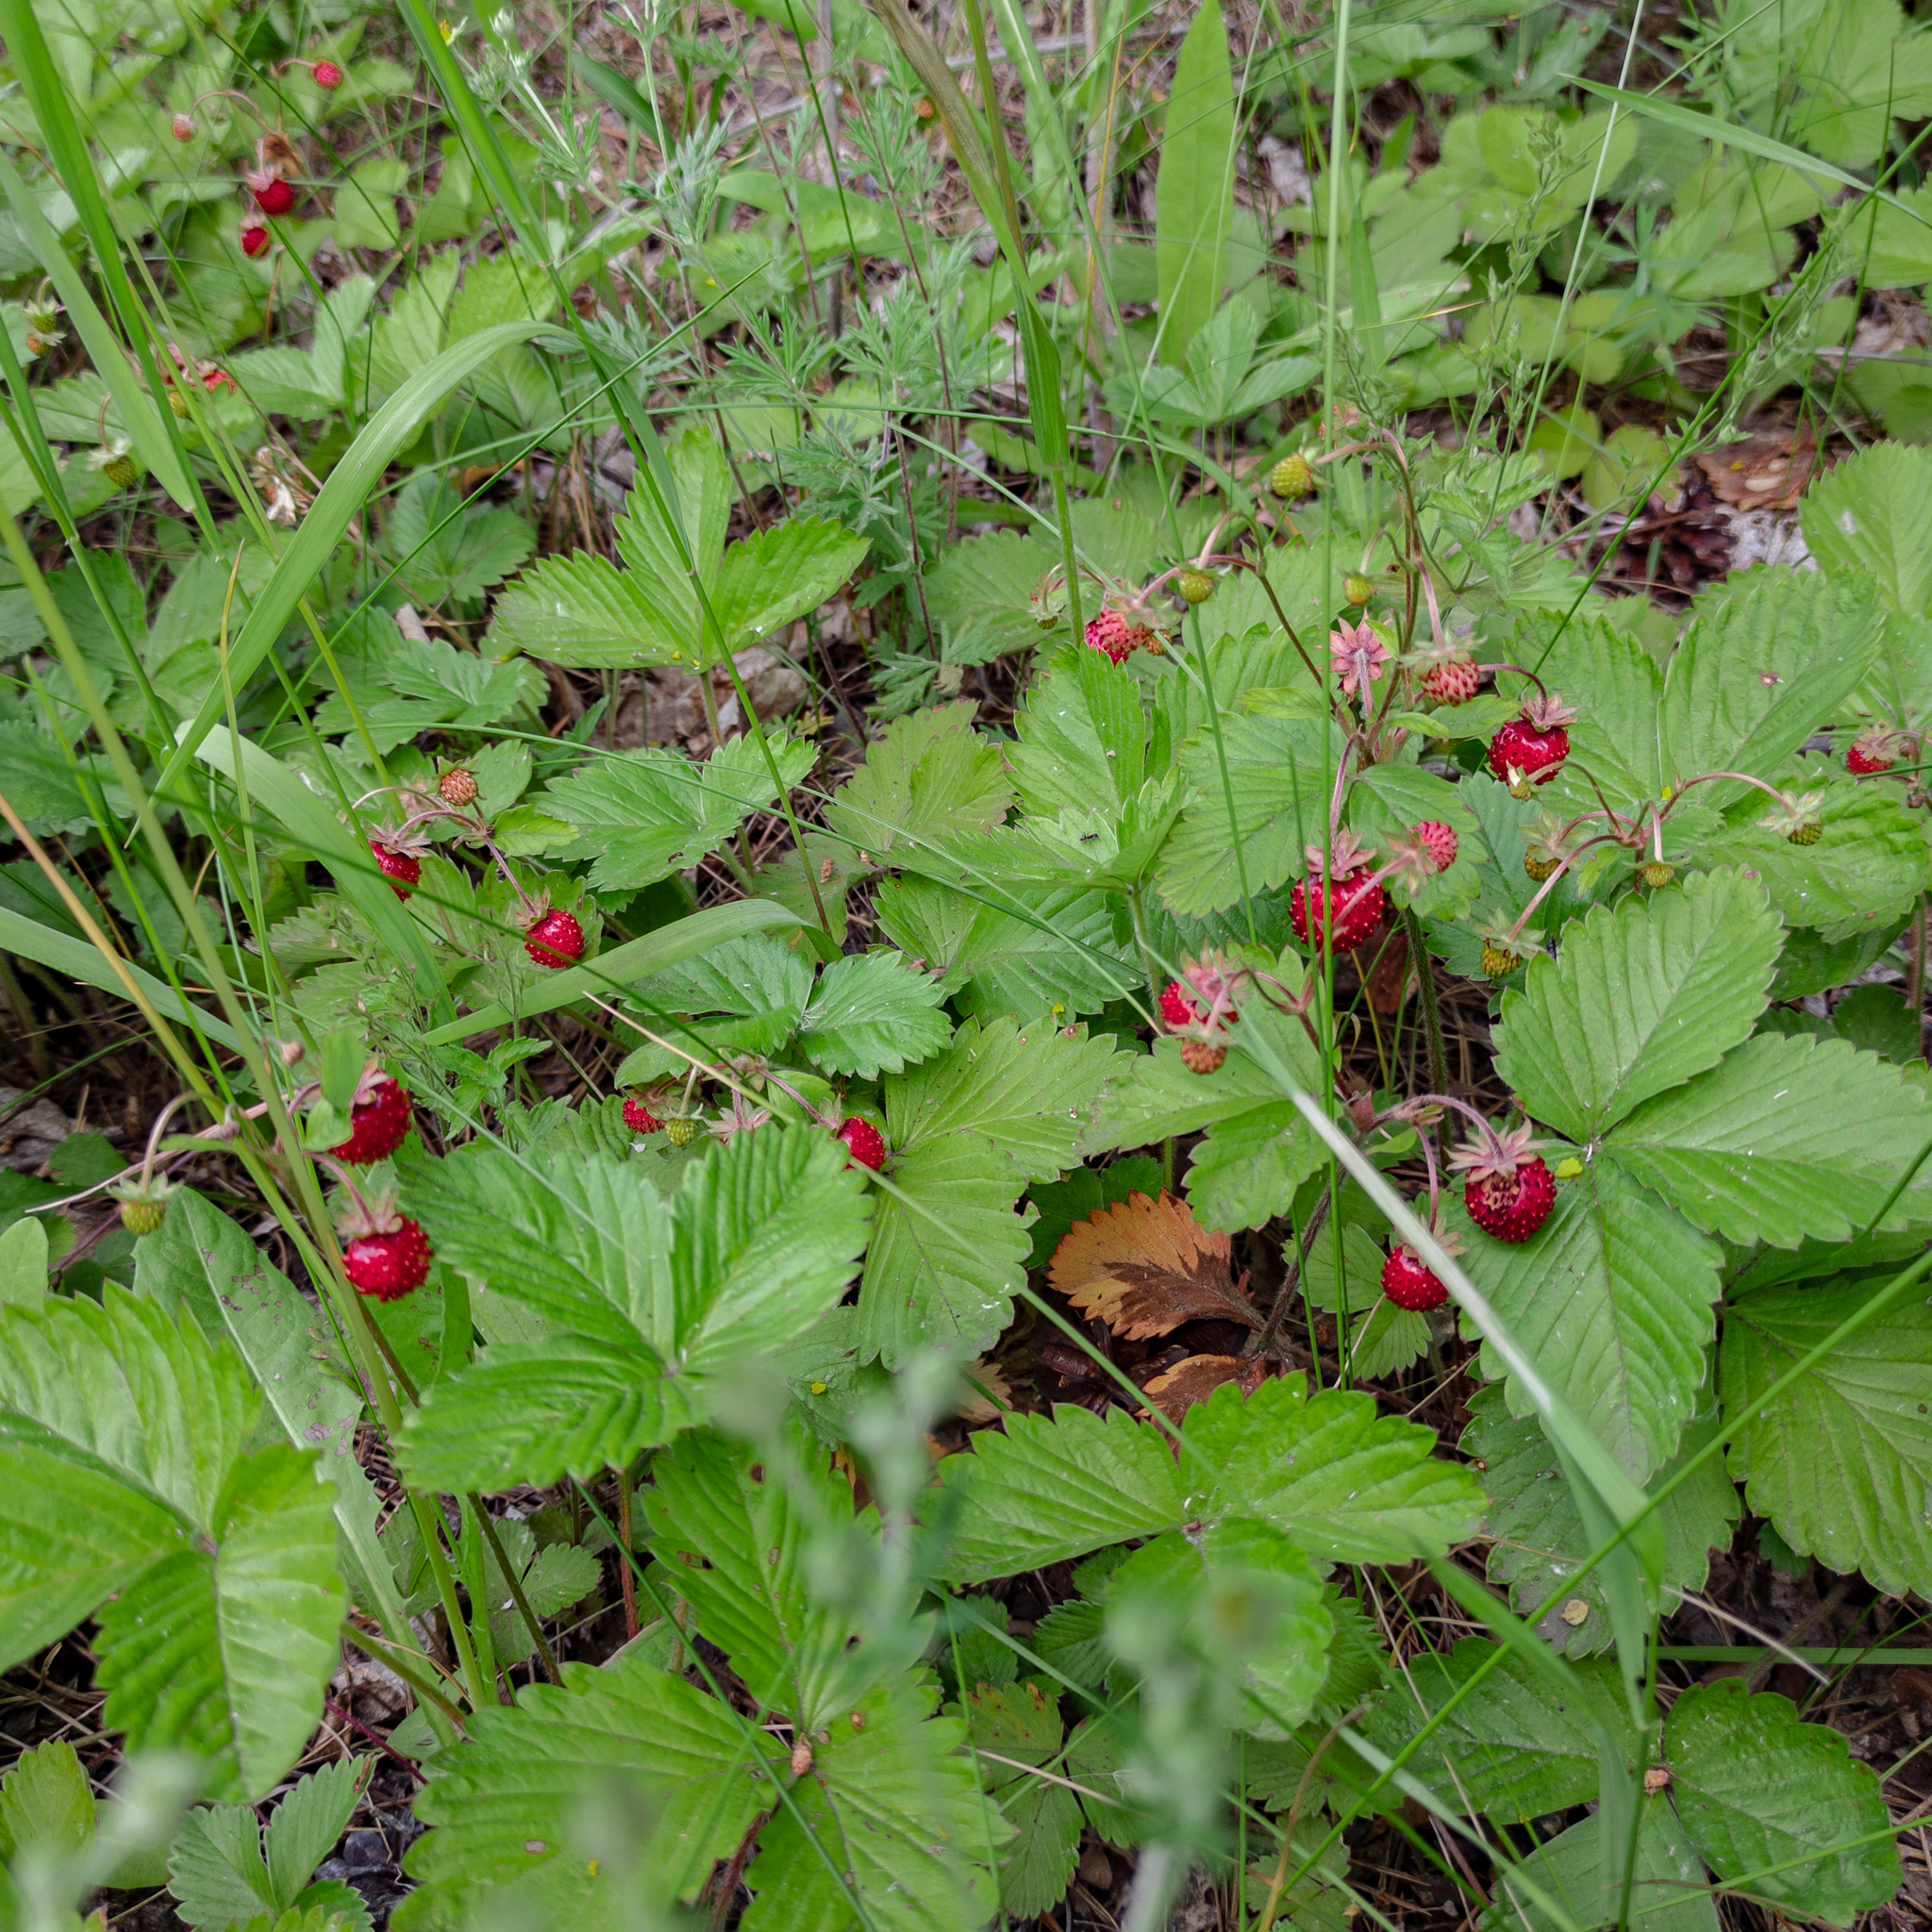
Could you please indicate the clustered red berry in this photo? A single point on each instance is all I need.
(1358, 903)
(400, 869)
(255, 239)
(554, 940)
(1534, 753)
(638, 1116)
(1410, 1285)
(273, 194)
(1513, 1205)
(1112, 636)
(386, 1266)
(1176, 1009)
(328, 76)
(378, 1127)
(1440, 840)
(864, 1143)
(1453, 682)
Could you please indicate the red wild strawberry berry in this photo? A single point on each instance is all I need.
(1513, 1205)
(1862, 764)
(1450, 683)
(864, 1143)
(1111, 634)
(328, 76)
(254, 241)
(215, 380)
(1410, 1284)
(183, 128)
(1202, 1056)
(1359, 907)
(1536, 754)
(378, 1127)
(386, 1266)
(273, 195)
(555, 940)
(1440, 840)
(398, 868)
(1176, 1009)
(638, 1116)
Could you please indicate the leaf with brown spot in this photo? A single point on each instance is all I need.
(1765, 473)
(1146, 1266)
(1179, 1388)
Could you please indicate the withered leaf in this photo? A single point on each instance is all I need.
(1765, 473)
(1144, 1267)
(1179, 1388)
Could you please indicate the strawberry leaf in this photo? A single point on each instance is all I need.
(1777, 1805)
(582, 609)
(1021, 1723)
(1613, 1297)
(1873, 515)
(927, 774)
(1727, 1152)
(1615, 686)
(1539, 1541)
(1639, 999)
(1841, 1462)
(872, 1013)
(777, 574)
(1146, 1266)
(1081, 735)
(1667, 1884)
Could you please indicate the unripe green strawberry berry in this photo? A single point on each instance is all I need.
(1807, 834)
(1655, 874)
(1357, 589)
(144, 1205)
(682, 1130)
(1196, 586)
(1538, 869)
(1499, 963)
(142, 1217)
(1291, 478)
(122, 472)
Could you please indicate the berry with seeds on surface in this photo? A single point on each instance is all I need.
(864, 1143)
(1508, 1190)
(1351, 889)
(1498, 962)
(255, 239)
(378, 1120)
(1196, 585)
(143, 1203)
(1357, 589)
(1536, 754)
(1452, 682)
(401, 869)
(1440, 840)
(1807, 834)
(1291, 478)
(1538, 869)
(1176, 1009)
(638, 1116)
(1410, 1285)
(273, 195)
(183, 128)
(387, 1265)
(554, 940)
(120, 469)
(328, 76)
(683, 1129)
(457, 787)
(1112, 636)
(1876, 748)
(1202, 1056)
(1655, 874)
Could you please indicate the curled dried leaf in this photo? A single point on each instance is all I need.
(1176, 1390)
(1146, 1266)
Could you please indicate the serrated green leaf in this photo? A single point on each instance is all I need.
(927, 774)
(643, 815)
(870, 1013)
(1787, 1138)
(1517, 1746)
(307, 1821)
(1081, 735)
(582, 609)
(1667, 1889)
(777, 574)
(1874, 514)
(1616, 687)
(1021, 1723)
(1539, 1542)
(47, 1804)
(1841, 1462)
(1639, 1000)
(1758, 1791)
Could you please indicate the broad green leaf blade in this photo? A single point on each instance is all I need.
(80, 960)
(1762, 1795)
(1194, 199)
(1518, 1746)
(1347, 1485)
(225, 1653)
(47, 1804)
(1539, 1544)
(508, 1807)
(1081, 735)
(1789, 1136)
(342, 499)
(1045, 1491)
(927, 774)
(612, 970)
(1874, 514)
(1668, 1891)
(581, 610)
(774, 576)
(307, 1823)
(215, 1868)
(1639, 999)
(1613, 1297)
(873, 1013)
(1841, 1462)
(1021, 1723)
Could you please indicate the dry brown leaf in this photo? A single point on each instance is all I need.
(1766, 473)
(1144, 1267)
(975, 1406)
(1195, 1380)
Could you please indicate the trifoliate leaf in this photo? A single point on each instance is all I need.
(1612, 1296)
(1539, 1542)
(927, 774)
(872, 1013)
(1841, 1462)
(1638, 1000)
(644, 815)
(582, 609)
(219, 1872)
(1787, 1138)
(446, 552)
(1518, 1746)
(1776, 1804)
(1668, 1891)
(123, 1472)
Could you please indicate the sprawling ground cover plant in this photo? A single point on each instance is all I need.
(944, 1092)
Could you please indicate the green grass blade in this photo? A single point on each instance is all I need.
(1195, 197)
